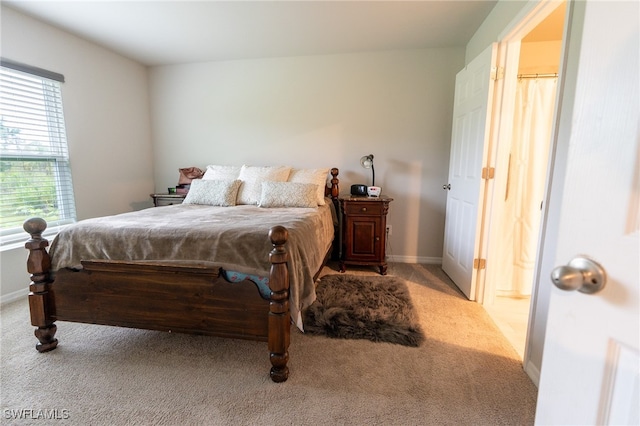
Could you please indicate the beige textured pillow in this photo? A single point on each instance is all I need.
(317, 177)
(213, 192)
(215, 172)
(252, 178)
(288, 194)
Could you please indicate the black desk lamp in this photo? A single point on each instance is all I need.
(367, 163)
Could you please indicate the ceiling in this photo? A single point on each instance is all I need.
(550, 29)
(171, 32)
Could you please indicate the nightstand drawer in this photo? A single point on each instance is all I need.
(364, 208)
(167, 201)
(160, 200)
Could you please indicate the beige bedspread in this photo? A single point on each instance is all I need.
(235, 238)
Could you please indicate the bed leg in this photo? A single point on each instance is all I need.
(39, 266)
(279, 317)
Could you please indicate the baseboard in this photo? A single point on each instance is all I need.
(13, 296)
(415, 259)
(533, 373)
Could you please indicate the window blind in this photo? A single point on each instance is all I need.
(8, 63)
(35, 176)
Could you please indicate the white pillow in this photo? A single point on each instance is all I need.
(215, 172)
(288, 194)
(252, 178)
(315, 176)
(213, 192)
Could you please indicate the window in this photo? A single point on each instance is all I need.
(35, 177)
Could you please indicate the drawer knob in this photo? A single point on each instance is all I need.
(364, 209)
(377, 238)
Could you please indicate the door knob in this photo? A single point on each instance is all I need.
(580, 274)
(447, 186)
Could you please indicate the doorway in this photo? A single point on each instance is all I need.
(532, 63)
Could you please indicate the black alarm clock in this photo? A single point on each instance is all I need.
(358, 189)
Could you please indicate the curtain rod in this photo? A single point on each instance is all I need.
(548, 75)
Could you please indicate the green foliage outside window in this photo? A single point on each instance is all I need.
(27, 186)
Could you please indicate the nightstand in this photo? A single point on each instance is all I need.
(364, 227)
(167, 199)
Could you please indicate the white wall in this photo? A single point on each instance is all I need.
(106, 104)
(321, 111)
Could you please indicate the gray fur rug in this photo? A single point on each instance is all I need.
(377, 308)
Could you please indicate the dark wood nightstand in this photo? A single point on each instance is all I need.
(167, 199)
(364, 231)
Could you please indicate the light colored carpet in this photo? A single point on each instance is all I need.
(465, 373)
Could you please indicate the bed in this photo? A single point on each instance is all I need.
(243, 271)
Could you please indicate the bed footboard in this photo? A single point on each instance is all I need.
(156, 296)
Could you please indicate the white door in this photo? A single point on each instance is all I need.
(590, 366)
(471, 112)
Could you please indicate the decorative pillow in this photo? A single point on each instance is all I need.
(288, 194)
(315, 176)
(252, 178)
(213, 192)
(215, 172)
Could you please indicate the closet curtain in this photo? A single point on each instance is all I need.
(533, 115)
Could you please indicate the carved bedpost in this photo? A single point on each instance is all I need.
(279, 317)
(334, 192)
(39, 266)
(335, 187)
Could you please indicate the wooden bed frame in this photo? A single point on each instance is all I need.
(161, 296)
